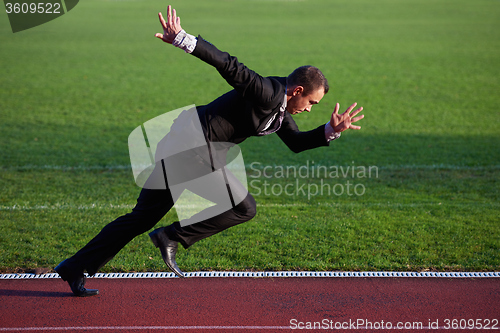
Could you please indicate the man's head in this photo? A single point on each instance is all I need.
(306, 86)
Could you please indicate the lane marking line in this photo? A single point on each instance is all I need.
(140, 328)
(352, 204)
(137, 328)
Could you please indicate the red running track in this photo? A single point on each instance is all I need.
(250, 304)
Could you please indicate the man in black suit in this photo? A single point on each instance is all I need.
(256, 106)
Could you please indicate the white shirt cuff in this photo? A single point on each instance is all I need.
(330, 133)
(185, 41)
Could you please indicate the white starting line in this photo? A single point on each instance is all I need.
(164, 275)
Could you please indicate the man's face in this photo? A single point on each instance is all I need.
(298, 102)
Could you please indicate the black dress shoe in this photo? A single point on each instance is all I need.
(78, 287)
(76, 280)
(168, 249)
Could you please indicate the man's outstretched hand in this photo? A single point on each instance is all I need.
(341, 122)
(171, 27)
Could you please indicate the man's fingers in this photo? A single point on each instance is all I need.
(336, 109)
(334, 114)
(169, 15)
(162, 20)
(173, 21)
(352, 115)
(353, 120)
(356, 112)
(354, 127)
(350, 108)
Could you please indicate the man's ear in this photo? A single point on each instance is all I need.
(298, 90)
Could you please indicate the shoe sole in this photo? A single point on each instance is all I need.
(87, 293)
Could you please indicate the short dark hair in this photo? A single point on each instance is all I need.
(309, 77)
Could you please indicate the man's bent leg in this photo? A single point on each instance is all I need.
(233, 205)
(190, 234)
(151, 206)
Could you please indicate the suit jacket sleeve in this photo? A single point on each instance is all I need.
(260, 90)
(299, 141)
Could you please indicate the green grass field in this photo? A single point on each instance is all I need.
(426, 72)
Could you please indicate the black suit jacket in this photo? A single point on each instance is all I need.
(245, 110)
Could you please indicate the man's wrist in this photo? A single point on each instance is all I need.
(330, 133)
(185, 41)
